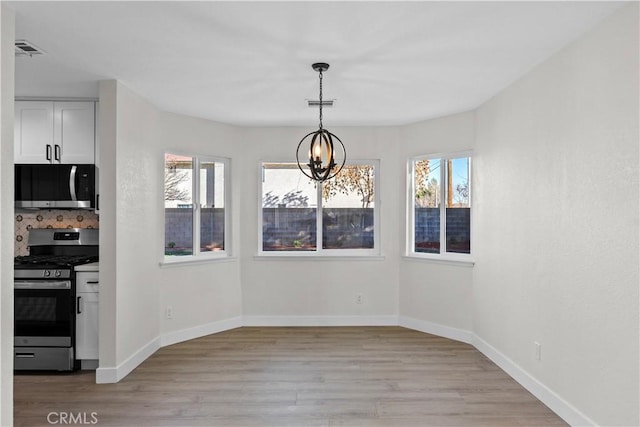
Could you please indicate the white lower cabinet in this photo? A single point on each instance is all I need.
(87, 314)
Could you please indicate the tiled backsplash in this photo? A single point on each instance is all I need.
(53, 218)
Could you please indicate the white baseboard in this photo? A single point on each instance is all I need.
(382, 320)
(557, 404)
(436, 329)
(175, 337)
(116, 373)
(547, 396)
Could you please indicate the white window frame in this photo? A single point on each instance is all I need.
(197, 255)
(319, 252)
(443, 255)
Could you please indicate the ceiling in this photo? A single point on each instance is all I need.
(249, 63)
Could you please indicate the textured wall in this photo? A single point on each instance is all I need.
(556, 222)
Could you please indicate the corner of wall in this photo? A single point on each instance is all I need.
(7, 79)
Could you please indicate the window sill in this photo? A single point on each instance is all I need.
(200, 260)
(315, 257)
(443, 261)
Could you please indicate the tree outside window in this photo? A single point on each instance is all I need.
(441, 228)
(195, 225)
(301, 215)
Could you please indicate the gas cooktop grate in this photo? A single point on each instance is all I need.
(57, 260)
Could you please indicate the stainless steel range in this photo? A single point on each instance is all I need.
(45, 297)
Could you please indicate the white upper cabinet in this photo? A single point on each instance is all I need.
(55, 132)
(33, 132)
(74, 132)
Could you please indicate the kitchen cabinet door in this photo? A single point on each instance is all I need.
(74, 135)
(54, 132)
(33, 132)
(87, 326)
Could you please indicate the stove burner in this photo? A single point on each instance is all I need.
(55, 260)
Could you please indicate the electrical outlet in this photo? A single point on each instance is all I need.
(169, 312)
(359, 299)
(538, 350)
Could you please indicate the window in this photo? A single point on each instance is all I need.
(195, 226)
(440, 206)
(338, 216)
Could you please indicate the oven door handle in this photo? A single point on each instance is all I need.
(42, 284)
(25, 355)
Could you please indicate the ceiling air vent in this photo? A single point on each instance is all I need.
(316, 103)
(26, 48)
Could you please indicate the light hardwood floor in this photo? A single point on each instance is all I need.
(330, 376)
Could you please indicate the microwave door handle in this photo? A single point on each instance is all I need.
(72, 183)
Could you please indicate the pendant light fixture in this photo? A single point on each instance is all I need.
(321, 164)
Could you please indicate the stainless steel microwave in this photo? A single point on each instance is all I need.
(49, 186)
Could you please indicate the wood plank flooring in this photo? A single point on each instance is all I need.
(329, 376)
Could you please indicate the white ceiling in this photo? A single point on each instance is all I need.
(249, 63)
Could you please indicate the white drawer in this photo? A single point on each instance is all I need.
(87, 282)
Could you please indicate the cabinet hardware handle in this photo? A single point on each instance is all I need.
(48, 152)
(93, 282)
(57, 152)
(79, 311)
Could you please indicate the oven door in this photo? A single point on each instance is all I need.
(44, 313)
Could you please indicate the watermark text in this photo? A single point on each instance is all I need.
(68, 418)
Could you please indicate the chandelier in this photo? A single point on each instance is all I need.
(321, 164)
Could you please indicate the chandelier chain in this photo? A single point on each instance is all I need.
(320, 99)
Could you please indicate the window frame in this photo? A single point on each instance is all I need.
(320, 252)
(198, 255)
(443, 256)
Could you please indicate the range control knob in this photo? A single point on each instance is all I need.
(47, 273)
(58, 273)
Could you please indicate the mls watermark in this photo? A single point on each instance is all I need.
(75, 418)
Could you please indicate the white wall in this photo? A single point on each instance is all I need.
(138, 220)
(556, 222)
(107, 142)
(135, 289)
(202, 295)
(7, 59)
(320, 288)
(128, 298)
(434, 297)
